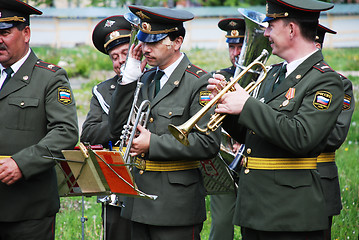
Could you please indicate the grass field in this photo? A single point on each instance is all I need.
(76, 62)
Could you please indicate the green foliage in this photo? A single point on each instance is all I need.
(78, 61)
(346, 59)
(68, 220)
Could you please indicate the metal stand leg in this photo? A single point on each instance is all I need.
(83, 219)
(104, 221)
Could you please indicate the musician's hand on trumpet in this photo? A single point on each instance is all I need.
(141, 143)
(231, 102)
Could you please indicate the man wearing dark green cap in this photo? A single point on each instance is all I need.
(326, 160)
(164, 166)
(110, 36)
(284, 129)
(37, 120)
(222, 205)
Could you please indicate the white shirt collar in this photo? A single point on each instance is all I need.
(16, 66)
(169, 70)
(293, 65)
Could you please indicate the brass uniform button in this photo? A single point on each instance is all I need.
(249, 150)
(151, 120)
(142, 155)
(246, 171)
(22, 103)
(170, 113)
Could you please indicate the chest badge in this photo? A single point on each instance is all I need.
(289, 95)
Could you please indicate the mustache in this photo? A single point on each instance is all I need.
(3, 46)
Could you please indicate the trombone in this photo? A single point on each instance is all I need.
(181, 132)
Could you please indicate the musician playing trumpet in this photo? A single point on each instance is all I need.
(164, 167)
(284, 129)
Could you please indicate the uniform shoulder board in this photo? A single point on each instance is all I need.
(323, 67)
(198, 72)
(342, 76)
(48, 66)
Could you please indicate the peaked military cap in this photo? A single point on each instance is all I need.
(305, 10)
(111, 32)
(321, 31)
(157, 22)
(235, 28)
(13, 12)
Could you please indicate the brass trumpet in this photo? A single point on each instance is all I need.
(181, 132)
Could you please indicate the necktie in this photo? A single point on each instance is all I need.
(8, 71)
(281, 76)
(157, 79)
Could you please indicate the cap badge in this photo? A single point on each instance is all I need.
(146, 26)
(142, 15)
(234, 33)
(114, 34)
(109, 23)
(232, 23)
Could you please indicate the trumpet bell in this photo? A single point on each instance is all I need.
(179, 133)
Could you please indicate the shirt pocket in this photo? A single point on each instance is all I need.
(285, 105)
(293, 178)
(329, 171)
(22, 113)
(185, 177)
(168, 115)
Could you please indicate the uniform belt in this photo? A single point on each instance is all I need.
(326, 157)
(164, 166)
(281, 163)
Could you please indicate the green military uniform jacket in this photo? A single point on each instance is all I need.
(95, 129)
(286, 200)
(181, 194)
(37, 118)
(328, 171)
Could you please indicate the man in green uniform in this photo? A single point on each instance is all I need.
(111, 36)
(326, 161)
(284, 129)
(222, 205)
(37, 120)
(165, 167)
